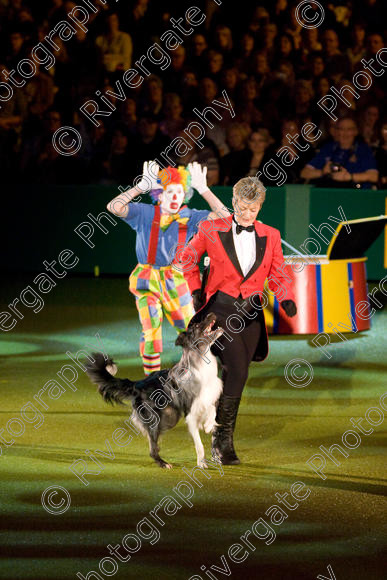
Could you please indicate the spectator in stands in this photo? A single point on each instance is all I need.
(55, 12)
(208, 156)
(370, 11)
(190, 88)
(153, 93)
(12, 114)
(208, 91)
(279, 12)
(51, 167)
(275, 103)
(374, 44)
(285, 48)
(244, 57)
(247, 103)
(316, 67)
(197, 59)
(296, 160)
(322, 88)
(82, 50)
(115, 47)
(258, 144)
(149, 142)
(303, 99)
(224, 43)
(99, 152)
(310, 42)
(17, 49)
(381, 156)
(172, 122)
(369, 125)
(35, 141)
(25, 22)
(233, 164)
(40, 92)
(259, 18)
(136, 20)
(335, 61)
(357, 50)
(214, 65)
(174, 74)
(270, 32)
(342, 108)
(294, 28)
(346, 162)
(338, 17)
(285, 73)
(118, 157)
(129, 115)
(230, 81)
(261, 69)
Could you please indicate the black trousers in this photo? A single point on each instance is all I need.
(238, 352)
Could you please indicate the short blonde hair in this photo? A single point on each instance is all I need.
(249, 189)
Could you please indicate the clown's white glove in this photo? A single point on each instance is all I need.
(148, 180)
(198, 177)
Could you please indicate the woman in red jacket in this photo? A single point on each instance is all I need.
(243, 254)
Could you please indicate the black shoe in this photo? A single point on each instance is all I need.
(222, 437)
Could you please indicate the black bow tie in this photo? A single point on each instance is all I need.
(240, 228)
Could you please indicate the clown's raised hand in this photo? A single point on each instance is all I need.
(198, 177)
(149, 177)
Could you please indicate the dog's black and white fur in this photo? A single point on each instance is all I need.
(190, 388)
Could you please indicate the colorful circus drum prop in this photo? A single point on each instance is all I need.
(331, 291)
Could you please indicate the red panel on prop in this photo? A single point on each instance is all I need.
(360, 292)
(304, 288)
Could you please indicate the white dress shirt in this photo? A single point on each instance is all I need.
(245, 248)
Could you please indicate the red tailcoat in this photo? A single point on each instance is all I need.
(215, 238)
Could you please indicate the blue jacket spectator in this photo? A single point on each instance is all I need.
(346, 162)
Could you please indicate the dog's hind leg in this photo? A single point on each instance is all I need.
(193, 429)
(154, 450)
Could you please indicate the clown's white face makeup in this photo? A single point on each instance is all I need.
(172, 198)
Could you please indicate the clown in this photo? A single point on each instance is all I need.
(163, 229)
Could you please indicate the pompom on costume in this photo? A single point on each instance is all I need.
(160, 289)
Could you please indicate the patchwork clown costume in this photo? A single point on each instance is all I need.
(160, 289)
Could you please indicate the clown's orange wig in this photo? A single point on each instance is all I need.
(176, 175)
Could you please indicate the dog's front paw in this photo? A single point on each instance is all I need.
(166, 465)
(203, 464)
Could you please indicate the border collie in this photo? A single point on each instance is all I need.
(190, 388)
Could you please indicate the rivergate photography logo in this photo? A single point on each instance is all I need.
(309, 14)
(56, 508)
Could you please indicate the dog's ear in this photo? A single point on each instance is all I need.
(181, 339)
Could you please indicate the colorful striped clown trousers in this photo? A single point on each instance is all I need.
(159, 292)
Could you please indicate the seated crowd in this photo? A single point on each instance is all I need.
(273, 70)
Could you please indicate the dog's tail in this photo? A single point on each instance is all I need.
(112, 390)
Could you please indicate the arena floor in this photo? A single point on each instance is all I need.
(335, 532)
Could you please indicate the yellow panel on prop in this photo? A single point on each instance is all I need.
(335, 292)
(269, 310)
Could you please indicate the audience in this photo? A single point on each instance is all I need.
(114, 46)
(273, 70)
(381, 156)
